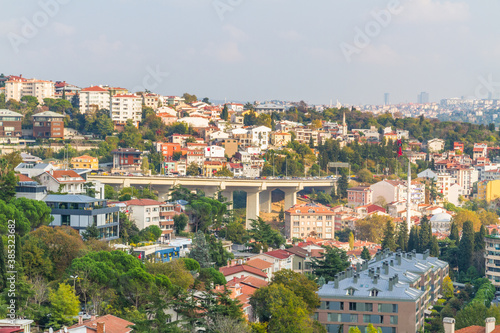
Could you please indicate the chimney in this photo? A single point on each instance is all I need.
(490, 325)
(358, 267)
(391, 282)
(449, 325)
(378, 256)
(365, 265)
(396, 278)
(100, 328)
(392, 262)
(375, 278)
(426, 254)
(80, 320)
(355, 279)
(336, 281)
(371, 272)
(398, 258)
(378, 270)
(386, 267)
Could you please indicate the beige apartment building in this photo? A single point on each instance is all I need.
(308, 220)
(18, 87)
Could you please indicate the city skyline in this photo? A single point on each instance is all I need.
(253, 51)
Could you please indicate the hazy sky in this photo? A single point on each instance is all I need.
(259, 49)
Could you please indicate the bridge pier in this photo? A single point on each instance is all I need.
(265, 201)
(290, 197)
(228, 194)
(253, 203)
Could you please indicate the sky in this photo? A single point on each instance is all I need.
(352, 51)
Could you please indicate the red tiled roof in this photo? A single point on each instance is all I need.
(58, 174)
(24, 178)
(304, 209)
(94, 88)
(258, 263)
(143, 202)
(280, 254)
(112, 324)
(298, 251)
(242, 268)
(471, 329)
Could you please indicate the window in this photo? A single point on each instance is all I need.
(350, 291)
(65, 219)
(394, 320)
(374, 293)
(148, 219)
(367, 318)
(369, 307)
(352, 306)
(334, 317)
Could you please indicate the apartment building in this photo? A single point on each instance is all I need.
(10, 126)
(309, 219)
(260, 136)
(153, 101)
(127, 160)
(145, 212)
(359, 196)
(280, 139)
(18, 87)
(124, 107)
(48, 125)
(94, 98)
(391, 291)
(492, 257)
(465, 176)
(85, 162)
(81, 212)
(63, 181)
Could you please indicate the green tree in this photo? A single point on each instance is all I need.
(36, 212)
(479, 244)
(365, 176)
(425, 235)
(334, 261)
(371, 329)
(301, 286)
(218, 254)
(413, 240)
(281, 309)
(193, 169)
(180, 222)
(351, 241)
(388, 241)
(434, 247)
(200, 250)
(365, 254)
(342, 186)
(8, 181)
(402, 236)
(224, 114)
(3, 270)
(64, 304)
(354, 330)
(91, 232)
(224, 172)
(466, 247)
(454, 235)
(131, 137)
(264, 235)
(188, 98)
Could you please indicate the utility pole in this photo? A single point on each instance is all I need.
(408, 198)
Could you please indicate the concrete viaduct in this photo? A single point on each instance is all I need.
(258, 190)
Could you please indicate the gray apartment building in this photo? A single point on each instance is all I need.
(391, 291)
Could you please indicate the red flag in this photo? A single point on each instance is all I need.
(400, 148)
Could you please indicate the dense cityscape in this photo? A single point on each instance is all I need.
(232, 166)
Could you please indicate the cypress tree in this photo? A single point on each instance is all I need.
(224, 114)
(466, 247)
(342, 186)
(434, 250)
(479, 239)
(454, 234)
(402, 237)
(413, 239)
(425, 235)
(388, 241)
(365, 254)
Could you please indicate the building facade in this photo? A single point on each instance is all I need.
(85, 162)
(309, 219)
(81, 212)
(93, 99)
(125, 107)
(18, 87)
(10, 126)
(48, 125)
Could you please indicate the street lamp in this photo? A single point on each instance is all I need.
(74, 280)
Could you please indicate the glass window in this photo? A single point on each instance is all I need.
(65, 219)
(352, 306)
(394, 320)
(367, 318)
(335, 317)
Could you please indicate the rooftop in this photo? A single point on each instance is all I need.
(70, 198)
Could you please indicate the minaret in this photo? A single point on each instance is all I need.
(408, 198)
(344, 126)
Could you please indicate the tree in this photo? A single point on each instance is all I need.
(36, 212)
(200, 250)
(466, 247)
(371, 329)
(180, 222)
(211, 277)
(281, 309)
(91, 232)
(334, 260)
(479, 244)
(365, 254)
(369, 228)
(8, 181)
(434, 247)
(425, 235)
(264, 235)
(413, 240)
(188, 98)
(467, 215)
(224, 172)
(300, 285)
(354, 330)
(218, 254)
(447, 287)
(402, 236)
(64, 304)
(175, 270)
(193, 169)
(281, 215)
(224, 114)
(342, 186)
(365, 176)
(351, 241)
(388, 241)
(131, 137)
(454, 235)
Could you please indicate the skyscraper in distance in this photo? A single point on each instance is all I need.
(386, 99)
(423, 97)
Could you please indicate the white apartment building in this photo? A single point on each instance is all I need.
(145, 212)
(63, 181)
(443, 184)
(93, 99)
(124, 107)
(260, 136)
(483, 169)
(465, 177)
(18, 87)
(214, 152)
